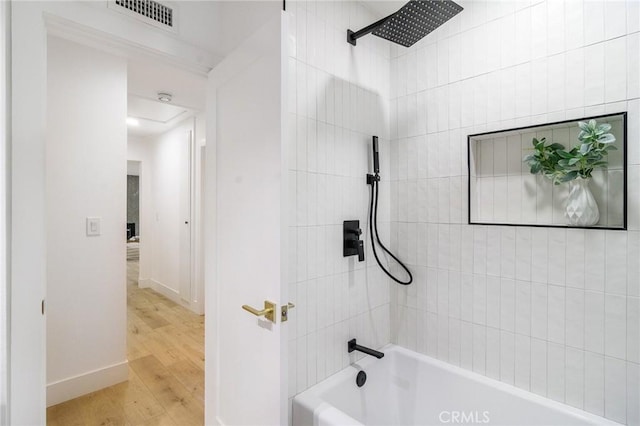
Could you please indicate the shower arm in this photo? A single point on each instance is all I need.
(353, 36)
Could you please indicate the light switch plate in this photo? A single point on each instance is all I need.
(93, 226)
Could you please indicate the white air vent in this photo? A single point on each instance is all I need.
(152, 12)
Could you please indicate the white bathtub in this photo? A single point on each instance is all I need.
(407, 388)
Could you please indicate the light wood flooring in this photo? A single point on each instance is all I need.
(165, 348)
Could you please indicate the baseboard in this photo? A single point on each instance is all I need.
(170, 294)
(197, 308)
(166, 291)
(73, 387)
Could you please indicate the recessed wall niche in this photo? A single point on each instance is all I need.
(503, 191)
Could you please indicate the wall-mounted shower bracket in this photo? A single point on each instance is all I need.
(353, 36)
(351, 243)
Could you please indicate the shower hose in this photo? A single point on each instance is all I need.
(373, 231)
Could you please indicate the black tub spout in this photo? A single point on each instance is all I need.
(353, 346)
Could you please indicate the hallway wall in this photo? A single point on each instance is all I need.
(86, 177)
(170, 197)
(164, 207)
(138, 150)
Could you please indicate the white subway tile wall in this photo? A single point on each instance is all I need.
(338, 97)
(552, 311)
(555, 312)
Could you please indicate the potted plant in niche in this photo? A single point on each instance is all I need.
(575, 167)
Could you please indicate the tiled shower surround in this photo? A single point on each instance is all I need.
(338, 99)
(553, 311)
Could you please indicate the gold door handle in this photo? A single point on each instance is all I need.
(268, 312)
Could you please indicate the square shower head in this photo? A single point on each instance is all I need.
(416, 19)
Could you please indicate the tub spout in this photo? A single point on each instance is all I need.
(352, 346)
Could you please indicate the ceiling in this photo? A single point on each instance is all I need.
(220, 26)
(215, 26)
(154, 117)
(145, 79)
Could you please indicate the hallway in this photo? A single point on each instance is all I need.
(165, 349)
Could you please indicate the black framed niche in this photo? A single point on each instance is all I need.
(503, 191)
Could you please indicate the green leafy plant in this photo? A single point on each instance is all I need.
(560, 165)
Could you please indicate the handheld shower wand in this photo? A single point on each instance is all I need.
(376, 157)
(374, 180)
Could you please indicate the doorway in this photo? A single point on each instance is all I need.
(131, 339)
(31, 24)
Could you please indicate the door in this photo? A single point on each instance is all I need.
(246, 361)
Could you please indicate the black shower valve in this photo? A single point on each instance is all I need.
(351, 243)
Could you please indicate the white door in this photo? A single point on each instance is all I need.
(246, 361)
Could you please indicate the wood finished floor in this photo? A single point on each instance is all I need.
(165, 348)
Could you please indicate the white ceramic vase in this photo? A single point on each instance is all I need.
(582, 209)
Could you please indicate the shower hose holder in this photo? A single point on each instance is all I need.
(371, 179)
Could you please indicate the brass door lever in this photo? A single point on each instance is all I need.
(268, 312)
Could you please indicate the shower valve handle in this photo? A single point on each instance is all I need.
(352, 244)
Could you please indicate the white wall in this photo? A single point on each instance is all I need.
(86, 177)
(170, 198)
(133, 167)
(138, 149)
(199, 214)
(4, 138)
(338, 99)
(165, 206)
(553, 311)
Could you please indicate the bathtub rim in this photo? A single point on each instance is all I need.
(310, 398)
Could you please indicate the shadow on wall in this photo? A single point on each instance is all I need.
(332, 123)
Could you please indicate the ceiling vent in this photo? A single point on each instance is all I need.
(149, 11)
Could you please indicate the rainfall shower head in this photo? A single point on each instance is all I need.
(413, 21)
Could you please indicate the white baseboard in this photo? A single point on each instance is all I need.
(197, 308)
(170, 294)
(73, 387)
(166, 291)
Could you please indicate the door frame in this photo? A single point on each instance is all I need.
(5, 202)
(31, 23)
